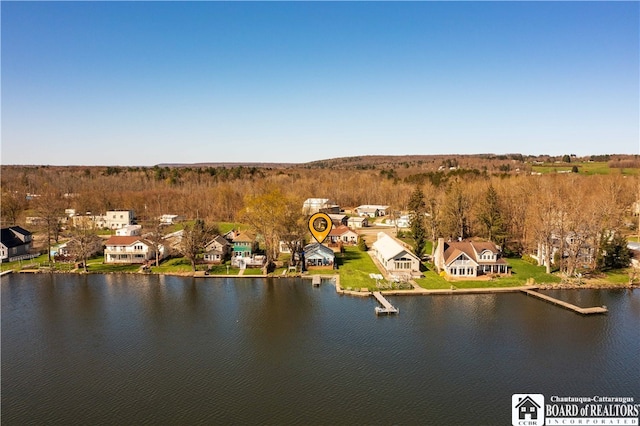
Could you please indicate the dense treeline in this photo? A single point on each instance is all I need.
(521, 212)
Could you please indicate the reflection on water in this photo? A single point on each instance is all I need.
(104, 349)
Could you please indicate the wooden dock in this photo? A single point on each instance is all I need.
(387, 308)
(316, 280)
(566, 305)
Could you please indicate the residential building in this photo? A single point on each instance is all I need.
(217, 250)
(244, 246)
(170, 219)
(70, 247)
(116, 219)
(129, 231)
(469, 259)
(573, 245)
(130, 249)
(15, 243)
(397, 259)
(356, 222)
(344, 235)
(318, 255)
(338, 219)
(372, 210)
(315, 205)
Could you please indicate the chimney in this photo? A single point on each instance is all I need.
(438, 260)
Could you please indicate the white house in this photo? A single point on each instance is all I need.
(372, 210)
(129, 231)
(343, 234)
(403, 221)
(116, 219)
(355, 222)
(468, 259)
(130, 249)
(170, 219)
(395, 257)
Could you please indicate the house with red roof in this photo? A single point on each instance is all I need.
(469, 259)
(343, 234)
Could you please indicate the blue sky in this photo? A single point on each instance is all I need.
(142, 83)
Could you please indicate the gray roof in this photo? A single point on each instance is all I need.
(318, 250)
(389, 248)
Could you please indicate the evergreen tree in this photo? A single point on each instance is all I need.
(613, 253)
(417, 207)
(491, 218)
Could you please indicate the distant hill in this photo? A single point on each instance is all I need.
(231, 165)
(500, 162)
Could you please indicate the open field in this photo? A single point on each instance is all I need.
(584, 168)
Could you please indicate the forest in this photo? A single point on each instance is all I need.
(521, 203)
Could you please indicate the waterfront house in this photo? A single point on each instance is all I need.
(343, 234)
(397, 259)
(15, 243)
(217, 250)
(130, 249)
(577, 246)
(244, 246)
(469, 259)
(357, 222)
(71, 247)
(318, 255)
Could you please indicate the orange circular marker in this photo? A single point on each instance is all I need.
(320, 226)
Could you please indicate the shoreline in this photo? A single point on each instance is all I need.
(363, 292)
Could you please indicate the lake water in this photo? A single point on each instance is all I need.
(130, 349)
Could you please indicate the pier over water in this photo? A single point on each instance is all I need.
(387, 308)
(574, 308)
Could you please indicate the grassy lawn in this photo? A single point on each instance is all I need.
(225, 227)
(252, 271)
(222, 269)
(179, 264)
(31, 263)
(617, 277)
(521, 272)
(102, 268)
(354, 268)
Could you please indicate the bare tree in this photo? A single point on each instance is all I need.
(194, 238)
(85, 243)
(265, 213)
(49, 207)
(13, 204)
(456, 212)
